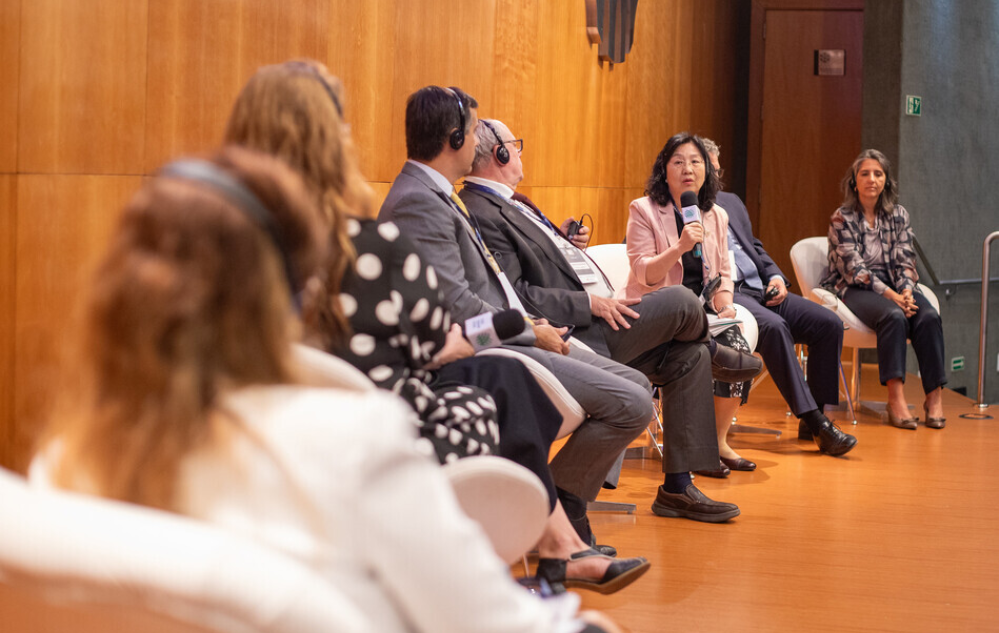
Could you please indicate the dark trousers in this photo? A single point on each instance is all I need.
(667, 344)
(924, 329)
(528, 421)
(798, 320)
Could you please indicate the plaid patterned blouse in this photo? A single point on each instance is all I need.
(850, 259)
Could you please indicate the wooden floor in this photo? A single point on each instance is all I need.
(901, 534)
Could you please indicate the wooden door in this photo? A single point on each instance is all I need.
(810, 125)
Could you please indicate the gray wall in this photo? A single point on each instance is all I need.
(947, 160)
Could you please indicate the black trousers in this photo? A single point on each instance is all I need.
(797, 320)
(528, 421)
(924, 329)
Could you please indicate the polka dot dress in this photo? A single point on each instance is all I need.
(394, 306)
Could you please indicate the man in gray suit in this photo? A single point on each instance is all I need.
(441, 146)
(664, 335)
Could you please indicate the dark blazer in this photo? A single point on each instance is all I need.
(742, 229)
(544, 281)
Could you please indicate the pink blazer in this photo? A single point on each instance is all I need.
(652, 230)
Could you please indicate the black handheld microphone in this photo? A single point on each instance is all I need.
(492, 328)
(690, 212)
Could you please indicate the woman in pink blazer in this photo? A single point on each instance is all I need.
(664, 251)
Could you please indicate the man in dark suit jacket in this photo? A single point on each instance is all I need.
(424, 205)
(784, 320)
(663, 336)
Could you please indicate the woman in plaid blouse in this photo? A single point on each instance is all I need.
(872, 267)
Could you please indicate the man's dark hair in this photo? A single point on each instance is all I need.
(431, 114)
(656, 187)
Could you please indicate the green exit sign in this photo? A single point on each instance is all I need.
(913, 105)
(957, 363)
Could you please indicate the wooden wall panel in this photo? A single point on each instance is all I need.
(358, 55)
(658, 90)
(8, 221)
(442, 42)
(82, 86)
(515, 68)
(200, 55)
(567, 66)
(10, 45)
(63, 226)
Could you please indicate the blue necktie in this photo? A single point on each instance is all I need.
(746, 267)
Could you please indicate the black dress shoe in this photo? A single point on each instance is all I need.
(804, 433)
(693, 504)
(731, 365)
(830, 439)
(738, 463)
(620, 574)
(722, 471)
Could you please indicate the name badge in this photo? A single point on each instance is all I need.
(580, 265)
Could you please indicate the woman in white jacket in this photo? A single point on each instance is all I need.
(186, 397)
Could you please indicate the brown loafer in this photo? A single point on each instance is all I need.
(693, 504)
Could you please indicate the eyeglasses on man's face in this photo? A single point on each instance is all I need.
(518, 144)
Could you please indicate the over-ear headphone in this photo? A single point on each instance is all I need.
(457, 138)
(204, 172)
(502, 153)
(314, 72)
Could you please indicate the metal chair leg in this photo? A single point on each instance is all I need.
(846, 389)
(610, 506)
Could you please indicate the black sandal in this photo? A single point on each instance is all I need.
(621, 573)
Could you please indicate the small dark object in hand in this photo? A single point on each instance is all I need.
(573, 229)
(772, 293)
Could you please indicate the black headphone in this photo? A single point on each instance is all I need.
(457, 138)
(502, 154)
(206, 173)
(314, 72)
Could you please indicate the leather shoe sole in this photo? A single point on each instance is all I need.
(731, 365)
(693, 504)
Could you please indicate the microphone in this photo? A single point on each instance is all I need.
(492, 328)
(690, 212)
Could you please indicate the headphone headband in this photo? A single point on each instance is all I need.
(318, 76)
(206, 173)
(457, 138)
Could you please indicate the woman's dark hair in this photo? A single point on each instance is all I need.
(658, 190)
(889, 196)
